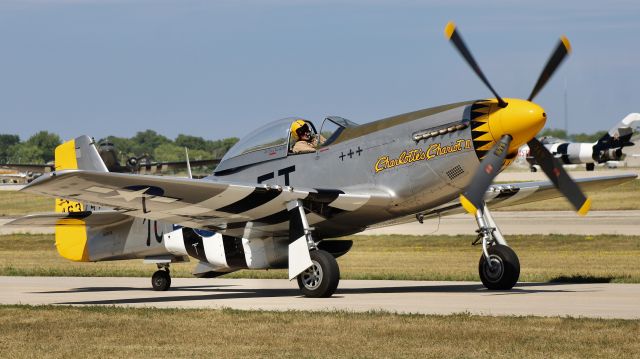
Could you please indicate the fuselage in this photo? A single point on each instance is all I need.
(418, 160)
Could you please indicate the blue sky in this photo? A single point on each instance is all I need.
(221, 68)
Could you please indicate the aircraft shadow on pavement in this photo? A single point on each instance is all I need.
(221, 292)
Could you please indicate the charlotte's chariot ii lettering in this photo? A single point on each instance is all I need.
(414, 155)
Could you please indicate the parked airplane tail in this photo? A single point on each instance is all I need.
(87, 233)
(609, 147)
(71, 232)
(620, 134)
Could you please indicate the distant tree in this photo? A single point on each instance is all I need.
(191, 142)
(7, 141)
(46, 142)
(554, 132)
(220, 147)
(199, 155)
(584, 137)
(40, 147)
(580, 137)
(26, 153)
(147, 141)
(168, 152)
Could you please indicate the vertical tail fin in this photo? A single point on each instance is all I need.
(619, 135)
(79, 153)
(71, 234)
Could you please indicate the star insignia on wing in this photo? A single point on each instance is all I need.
(130, 195)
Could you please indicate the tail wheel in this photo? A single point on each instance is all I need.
(161, 280)
(321, 279)
(503, 270)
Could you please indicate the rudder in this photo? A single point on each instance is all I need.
(71, 234)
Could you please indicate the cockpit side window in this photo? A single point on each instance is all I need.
(332, 128)
(330, 131)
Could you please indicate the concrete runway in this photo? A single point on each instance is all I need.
(533, 222)
(538, 299)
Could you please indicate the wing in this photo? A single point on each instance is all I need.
(221, 206)
(510, 194)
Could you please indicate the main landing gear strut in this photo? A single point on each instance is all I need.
(317, 271)
(499, 266)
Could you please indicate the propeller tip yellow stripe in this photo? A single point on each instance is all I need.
(467, 205)
(586, 206)
(449, 29)
(567, 44)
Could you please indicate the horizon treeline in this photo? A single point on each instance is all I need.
(39, 148)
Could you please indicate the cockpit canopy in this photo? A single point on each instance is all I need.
(273, 141)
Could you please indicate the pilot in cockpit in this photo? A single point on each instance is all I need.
(305, 141)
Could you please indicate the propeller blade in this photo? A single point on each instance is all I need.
(451, 34)
(553, 168)
(473, 196)
(561, 51)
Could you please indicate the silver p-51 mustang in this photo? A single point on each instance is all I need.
(266, 206)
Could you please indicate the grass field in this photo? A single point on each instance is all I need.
(65, 332)
(21, 203)
(625, 196)
(543, 258)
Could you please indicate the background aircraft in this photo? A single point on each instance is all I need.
(607, 148)
(143, 164)
(266, 207)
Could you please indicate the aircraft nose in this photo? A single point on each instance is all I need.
(521, 119)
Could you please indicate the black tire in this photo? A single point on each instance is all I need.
(533, 169)
(504, 273)
(321, 279)
(161, 280)
(591, 166)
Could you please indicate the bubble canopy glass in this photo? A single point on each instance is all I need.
(268, 142)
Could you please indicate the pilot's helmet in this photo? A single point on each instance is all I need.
(298, 127)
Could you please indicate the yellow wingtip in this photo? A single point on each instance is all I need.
(567, 44)
(467, 205)
(449, 29)
(586, 206)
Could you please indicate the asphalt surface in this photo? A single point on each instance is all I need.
(539, 299)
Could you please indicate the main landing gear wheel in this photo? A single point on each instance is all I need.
(161, 280)
(321, 279)
(504, 271)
